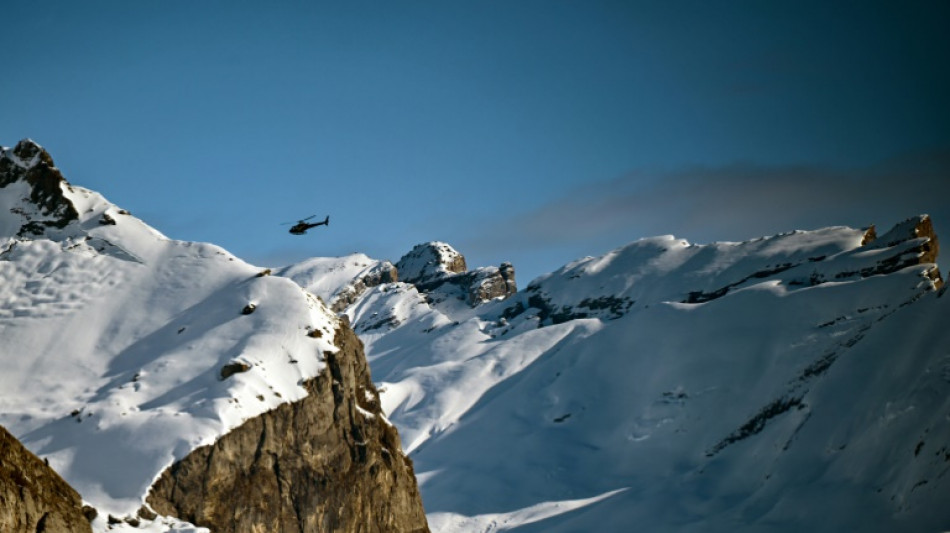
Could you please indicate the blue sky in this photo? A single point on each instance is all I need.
(534, 132)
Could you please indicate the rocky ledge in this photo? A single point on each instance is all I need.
(329, 462)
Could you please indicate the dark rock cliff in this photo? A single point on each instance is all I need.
(33, 498)
(329, 462)
(29, 162)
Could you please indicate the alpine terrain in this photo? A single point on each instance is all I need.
(172, 385)
(795, 382)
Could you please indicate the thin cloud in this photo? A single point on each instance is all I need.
(733, 202)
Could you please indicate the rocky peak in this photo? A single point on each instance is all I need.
(30, 154)
(28, 162)
(440, 272)
(429, 262)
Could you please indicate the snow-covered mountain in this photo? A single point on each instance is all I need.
(790, 383)
(124, 351)
(794, 382)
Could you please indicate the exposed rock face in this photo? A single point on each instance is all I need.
(33, 498)
(474, 287)
(603, 307)
(28, 162)
(384, 272)
(439, 271)
(430, 262)
(923, 247)
(491, 282)
(329, 462)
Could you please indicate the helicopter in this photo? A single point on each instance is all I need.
(302, 225)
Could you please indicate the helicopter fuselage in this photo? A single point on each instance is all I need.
(302, 226)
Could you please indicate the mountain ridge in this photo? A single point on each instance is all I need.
(663, 371)
(795, 381)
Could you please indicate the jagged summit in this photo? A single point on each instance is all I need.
(27, 154)
(430, 261)
(38, 204)
(440, 271)
(43, 202)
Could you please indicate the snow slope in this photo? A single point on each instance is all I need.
(794, 382)
(115, 338)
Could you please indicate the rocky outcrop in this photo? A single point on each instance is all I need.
(33, 498)
(29, 162)
(918, 227)
(488, 283)
(430, 262)
(329, 462)
(439, 271)
(383, 272)
(919, 232)
(549, 313)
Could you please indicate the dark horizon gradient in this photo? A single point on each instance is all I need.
(533, 132)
